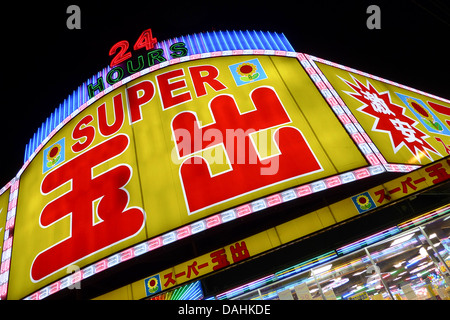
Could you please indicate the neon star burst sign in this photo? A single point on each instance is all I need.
(391, 118)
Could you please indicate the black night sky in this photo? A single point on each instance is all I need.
(42, 61)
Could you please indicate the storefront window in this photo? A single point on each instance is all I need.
(413, 265)
(438, 248)
(400, 262)
(281, 290)
(351, 277)
(408, 267)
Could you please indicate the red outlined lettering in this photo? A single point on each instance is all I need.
(122, 55)
(145, 40)
(84, 132)
(199, 79)
(248, 172)
(138, 95)
(219, 259)
(438, 172)
(167, 84)
(103, 126)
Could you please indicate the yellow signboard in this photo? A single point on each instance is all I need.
(200, 266)
(79, 197)
(396, 189)
(168, 148)
(406, 126)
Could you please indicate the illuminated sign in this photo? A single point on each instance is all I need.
(406, 185)
(415, 181)
(169, 148)
(198, 267)
(199, 45)
(120, 54)
(406, 125)
(198, 131)
(205, 264)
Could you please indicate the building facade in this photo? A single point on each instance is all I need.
(226, 165)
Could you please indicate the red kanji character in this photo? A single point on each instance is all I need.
(408, 183)
(382, 195)
(170, 279)
(239, 251)
(232, 129)
(446, 147)
(220, 258)
(439, 172)
(192, 268)
(117, 222)
(391, 118)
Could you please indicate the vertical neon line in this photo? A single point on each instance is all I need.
(272, 41)
(202, 41)
(258, 41)
(25, 157)
(285, 41)
(233, 45)
(243, 38)
(219, 44)
(194, 43)
(225, 42)
(212, 44)
(250, 40)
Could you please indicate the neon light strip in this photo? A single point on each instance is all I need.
(347, 119)
(368, 241)
(191, 291)
(393, 230)
(424, 217)
(365, 74)
(245, 288)
(306, 265)
(8, 239)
